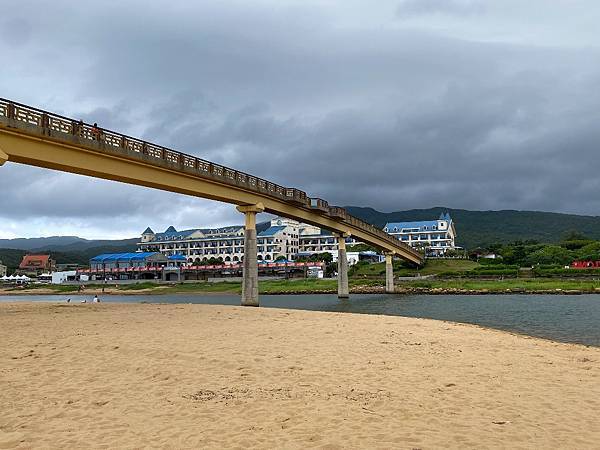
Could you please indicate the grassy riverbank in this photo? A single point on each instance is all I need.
(312, 286)
(537, 285)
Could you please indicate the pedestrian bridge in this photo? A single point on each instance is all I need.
(40, 138)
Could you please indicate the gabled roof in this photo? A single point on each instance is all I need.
(34, 261)
(422, 225)
(148, 231)
(171, 232)
(271, 231)
(229, 229)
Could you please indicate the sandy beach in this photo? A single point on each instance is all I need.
(203, 376)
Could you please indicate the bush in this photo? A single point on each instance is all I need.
(490, 262)
(497, 267)
(550, 254)
(571, 273)
(480, 273)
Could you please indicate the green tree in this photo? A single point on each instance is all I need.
(550, 254)
(589, 252)
(574, 235)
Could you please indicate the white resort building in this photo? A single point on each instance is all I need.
(283, 238)
(280, 238)
(435, 237)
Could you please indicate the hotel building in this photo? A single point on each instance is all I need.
(435, 237)
(280, 238)
(283, 238)
(277, 239)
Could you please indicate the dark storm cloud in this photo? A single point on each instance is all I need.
(347, 103)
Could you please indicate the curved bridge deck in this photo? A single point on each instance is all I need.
(40, 138)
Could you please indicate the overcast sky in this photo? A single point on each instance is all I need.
(476, 104)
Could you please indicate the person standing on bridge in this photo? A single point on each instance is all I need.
(95, 132)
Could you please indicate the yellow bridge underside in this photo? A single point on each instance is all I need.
(21, 147)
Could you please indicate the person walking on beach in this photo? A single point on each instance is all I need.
(96, 300)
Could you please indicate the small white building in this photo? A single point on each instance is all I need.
(61, 277)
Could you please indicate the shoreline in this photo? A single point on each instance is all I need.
(166, 290)
(522, 334)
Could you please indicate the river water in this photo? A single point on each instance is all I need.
(565, 318)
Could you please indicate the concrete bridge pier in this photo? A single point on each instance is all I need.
(389, 274)
(3, 157)
(343, 290)
(250, 267)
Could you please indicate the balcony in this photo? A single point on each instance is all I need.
(337, 213)
(296, 196)
(319, 204)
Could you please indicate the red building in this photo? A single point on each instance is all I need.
(36, 264)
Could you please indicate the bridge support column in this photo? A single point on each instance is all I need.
(250, 271)
(3, 157)
(389, 274)
(343, 291)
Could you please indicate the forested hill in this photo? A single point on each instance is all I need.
(478, 228)
(62, 243)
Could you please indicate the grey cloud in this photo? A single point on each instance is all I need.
(458, 7)
(335, 101)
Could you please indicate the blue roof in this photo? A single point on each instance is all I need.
(148, 231)
(136, 256)
(426, 225)
(229, 229)
(171, 232)
(177, 258)
(270, 231)
(423, 225)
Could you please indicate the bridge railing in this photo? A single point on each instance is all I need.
(60, 127)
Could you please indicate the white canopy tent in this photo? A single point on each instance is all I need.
(16, 279)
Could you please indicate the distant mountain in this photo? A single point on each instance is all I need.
(84, 245)
(62, 243)
(44, 242)
(478, 228)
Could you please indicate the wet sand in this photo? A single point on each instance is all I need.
(191, 376)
